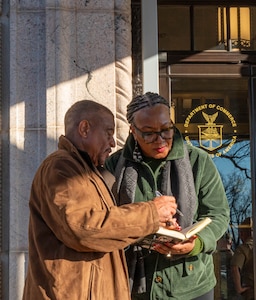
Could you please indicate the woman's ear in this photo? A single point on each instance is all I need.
(132, 131)
(83, 128)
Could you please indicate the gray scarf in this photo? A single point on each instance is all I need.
(177, 180)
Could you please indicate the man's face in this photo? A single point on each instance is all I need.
(100, 138)
(148, 121)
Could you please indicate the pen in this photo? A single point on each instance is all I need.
(158, 194)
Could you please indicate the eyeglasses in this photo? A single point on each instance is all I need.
(151, 136)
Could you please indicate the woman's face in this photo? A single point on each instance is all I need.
(153, 130)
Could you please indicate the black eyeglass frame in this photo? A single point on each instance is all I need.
(158, 133)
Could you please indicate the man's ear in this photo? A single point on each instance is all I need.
(83, 128)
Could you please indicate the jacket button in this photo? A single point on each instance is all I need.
(158, 279)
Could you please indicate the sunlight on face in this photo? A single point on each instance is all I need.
(149, 120)
(100, 139)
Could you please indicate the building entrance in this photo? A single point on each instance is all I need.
(206, 52)
(209, 106)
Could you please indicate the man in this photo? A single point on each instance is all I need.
(76, 232)
(242, 262)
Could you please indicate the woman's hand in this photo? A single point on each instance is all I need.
(173, 225)
(179, 248)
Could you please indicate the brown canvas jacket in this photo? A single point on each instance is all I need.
(76, 233)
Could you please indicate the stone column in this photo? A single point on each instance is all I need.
(27, 123)
(123, 67)
(60, 52)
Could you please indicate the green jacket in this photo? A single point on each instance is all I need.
(193, 275)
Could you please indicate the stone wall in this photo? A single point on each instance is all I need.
(60, 52)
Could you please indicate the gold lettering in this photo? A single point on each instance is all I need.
(212, 105)
(221, 109)
(188, 140)
(193, 112)
(231, 144)
(228, 114)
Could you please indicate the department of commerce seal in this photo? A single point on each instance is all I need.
(217, 130)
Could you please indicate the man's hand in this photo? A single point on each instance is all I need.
(166, 208)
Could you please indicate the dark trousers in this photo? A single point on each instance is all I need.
(207, 296)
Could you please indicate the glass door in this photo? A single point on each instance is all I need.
(213, 114)
(211, 111)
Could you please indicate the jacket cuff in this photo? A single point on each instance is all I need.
(198, 248)
(155, 216)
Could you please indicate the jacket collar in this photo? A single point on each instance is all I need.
(82, 156)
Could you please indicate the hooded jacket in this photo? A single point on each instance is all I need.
(193, 275)
(77, 233)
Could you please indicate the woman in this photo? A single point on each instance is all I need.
(155, 159)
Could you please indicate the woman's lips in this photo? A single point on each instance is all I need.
(160, 149)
